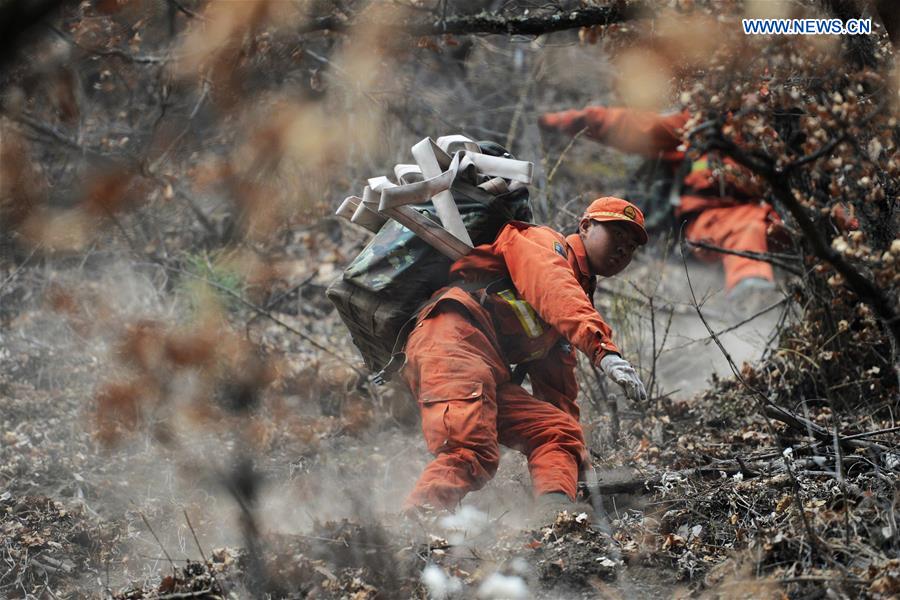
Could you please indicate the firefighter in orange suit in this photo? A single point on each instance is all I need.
(525, 299)
(719, 207)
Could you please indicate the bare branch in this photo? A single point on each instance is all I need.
(769, 257)
(489, 23)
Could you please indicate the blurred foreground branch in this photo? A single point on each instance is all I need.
(17, 18)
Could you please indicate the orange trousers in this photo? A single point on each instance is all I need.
(469, 407)
(744, 227)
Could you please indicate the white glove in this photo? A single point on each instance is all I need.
(620, 370)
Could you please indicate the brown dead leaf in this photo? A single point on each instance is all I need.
(118, 410)
(784, 503)
(57, 230)
(589, 35)
(193, 348)
(143, 345)
(357, 415)
(21, 179)
(644, 78)
(673, 541)
(64, 95)
(167, 585)
(108, 193)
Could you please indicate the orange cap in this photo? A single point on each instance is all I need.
(609, 208)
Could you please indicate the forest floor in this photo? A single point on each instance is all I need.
(301, 496)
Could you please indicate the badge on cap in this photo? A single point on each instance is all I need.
(628, 211)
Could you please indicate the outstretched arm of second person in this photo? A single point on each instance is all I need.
(626, 129)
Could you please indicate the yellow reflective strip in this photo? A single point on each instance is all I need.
(603, 213)
(700, 165)
(524, 312)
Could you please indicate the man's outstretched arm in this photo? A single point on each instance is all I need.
(534, 258)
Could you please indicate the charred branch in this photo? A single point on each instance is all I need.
(861, 50)
(488, 23)
(816, 431)
(778, 260)
(890, 17)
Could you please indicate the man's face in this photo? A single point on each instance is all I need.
(609, 245)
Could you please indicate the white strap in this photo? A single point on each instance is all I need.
(348, 207)
(420, 191)
(407, 173)
(429, 158)
(367, 215)
(446, 141)
(495, 186)
(435, 235)
(432, 233)
(380, 183)
(431, 179)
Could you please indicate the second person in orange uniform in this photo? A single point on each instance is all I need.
(524, 299)
(720, 209)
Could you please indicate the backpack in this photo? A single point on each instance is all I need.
(382, 290)
(655, 188)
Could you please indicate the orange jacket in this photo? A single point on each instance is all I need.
(649, 134)
(550, 302)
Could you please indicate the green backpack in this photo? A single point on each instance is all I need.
(383, 288)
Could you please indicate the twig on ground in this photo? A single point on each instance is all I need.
(204, 92)
(194, 533)
(161, 547)
(867, 434)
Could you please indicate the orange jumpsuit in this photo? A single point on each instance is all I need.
(459, 353)
(733, 220)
